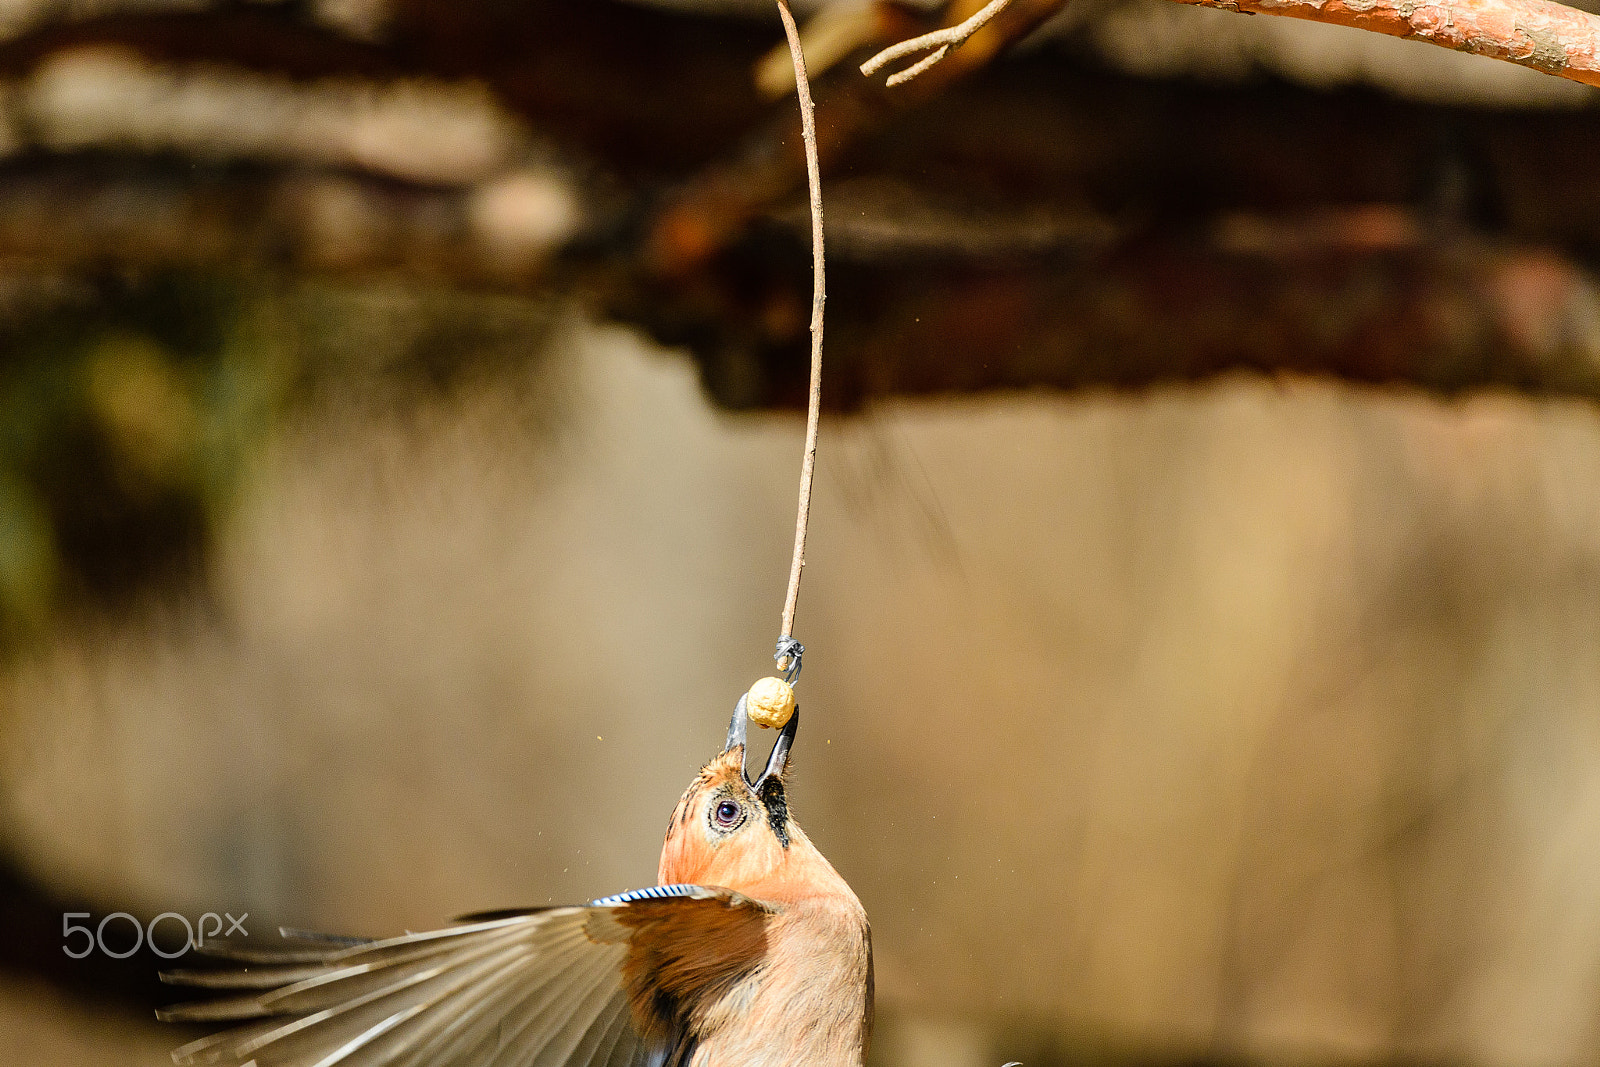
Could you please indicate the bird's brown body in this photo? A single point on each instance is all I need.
(752, 952)
(808, 999)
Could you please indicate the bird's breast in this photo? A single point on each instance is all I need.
(808, 1002)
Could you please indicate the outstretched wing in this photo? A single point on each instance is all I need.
(607, 985)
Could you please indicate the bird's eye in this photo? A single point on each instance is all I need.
(727, 815)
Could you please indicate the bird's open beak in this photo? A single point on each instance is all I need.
(738, 734)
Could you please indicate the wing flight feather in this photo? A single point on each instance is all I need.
(557, 987)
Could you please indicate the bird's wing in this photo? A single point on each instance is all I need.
(606, 985)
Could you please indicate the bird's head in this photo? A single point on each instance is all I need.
(735, 831)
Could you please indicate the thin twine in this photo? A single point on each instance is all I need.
(789, 650)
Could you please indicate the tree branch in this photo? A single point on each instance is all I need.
(1546, 36)
(986, 259)
(937, 44)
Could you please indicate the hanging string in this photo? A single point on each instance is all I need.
(789, 650)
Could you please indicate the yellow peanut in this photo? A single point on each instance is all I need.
(770, 703)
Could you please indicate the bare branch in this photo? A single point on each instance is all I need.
(939, 42)
(808, 462)
(1546, 36)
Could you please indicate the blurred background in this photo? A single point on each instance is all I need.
(399, 423)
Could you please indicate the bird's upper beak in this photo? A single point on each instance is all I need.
(738, 730)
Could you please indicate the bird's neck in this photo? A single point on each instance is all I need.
(803, 875)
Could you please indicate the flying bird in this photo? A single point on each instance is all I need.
(751, 952)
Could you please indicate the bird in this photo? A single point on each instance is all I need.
(751, 951)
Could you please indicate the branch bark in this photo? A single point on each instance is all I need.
(1548, 37)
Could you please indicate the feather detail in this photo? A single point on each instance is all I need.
(544, 988)
(684, 951)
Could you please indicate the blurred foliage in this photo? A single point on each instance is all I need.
(132, 408)
(128, 408)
